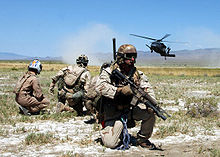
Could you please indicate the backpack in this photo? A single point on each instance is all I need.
(72, 75)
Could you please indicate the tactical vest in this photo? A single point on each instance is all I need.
(133, 76)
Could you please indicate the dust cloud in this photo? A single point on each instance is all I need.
(93, 39)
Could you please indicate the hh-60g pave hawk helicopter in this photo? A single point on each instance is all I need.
(159, 47)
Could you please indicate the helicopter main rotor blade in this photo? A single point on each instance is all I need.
(176, 42)
(165, 36)
(143, 37)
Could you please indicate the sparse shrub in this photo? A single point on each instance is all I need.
(21, 130)
(218, 124)
(217, 75)
(212, 152)
(39, 138)
(165, 131)
(215, 152)
(4, 132)
(201, 107)
(14, 69)
(96, 127)
(72, 154)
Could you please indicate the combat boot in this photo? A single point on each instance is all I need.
(60, 106)
(24, 111)
(67, 108)
(145, 143)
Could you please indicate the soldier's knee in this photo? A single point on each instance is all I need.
(111, 145)
(110, 135)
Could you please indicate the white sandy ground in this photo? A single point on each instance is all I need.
(79, 138)
(82, 139)
(4, 78)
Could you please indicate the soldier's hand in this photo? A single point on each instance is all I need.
(51, 91)
(69, 95)
(125, 90)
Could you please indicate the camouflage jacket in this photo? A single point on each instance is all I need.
(29, 87)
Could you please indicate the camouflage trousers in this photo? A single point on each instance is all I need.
(111, 133)
(75, 100)
(31, 103)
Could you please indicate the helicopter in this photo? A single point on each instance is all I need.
(157, 45)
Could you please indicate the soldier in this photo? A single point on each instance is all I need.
(73, 82)
(117, 98)
(28, 92)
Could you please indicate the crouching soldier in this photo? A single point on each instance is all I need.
(73, 82)
(116, 101)
(93, 100)
(28, 91)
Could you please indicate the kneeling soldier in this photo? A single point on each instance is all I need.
(28, 90)
(116, 101)
(73, 82)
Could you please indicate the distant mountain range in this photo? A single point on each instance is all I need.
(209, 57)
(14, 56)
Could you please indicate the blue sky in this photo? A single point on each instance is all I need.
(64, 27)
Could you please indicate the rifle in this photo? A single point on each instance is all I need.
(141, 96)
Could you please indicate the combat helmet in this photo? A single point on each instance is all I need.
(82, 60)
(126, 51)
(35, 66)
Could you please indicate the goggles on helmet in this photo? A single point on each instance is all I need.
(130, 55)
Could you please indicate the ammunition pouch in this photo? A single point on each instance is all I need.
(78, 95)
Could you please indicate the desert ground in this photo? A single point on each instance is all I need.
(190, 95)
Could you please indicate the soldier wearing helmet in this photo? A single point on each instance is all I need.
(117, 98)
(82, 61)
(73, 82)
(28, 91)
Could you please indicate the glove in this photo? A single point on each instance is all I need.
(91, 93)
(51, 89)
(69, 95)
(125, 90)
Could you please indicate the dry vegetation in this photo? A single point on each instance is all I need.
(190, 95)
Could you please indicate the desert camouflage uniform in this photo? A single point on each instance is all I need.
(79, 87)
(92, 97)
(30, 95)
(114, 107)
